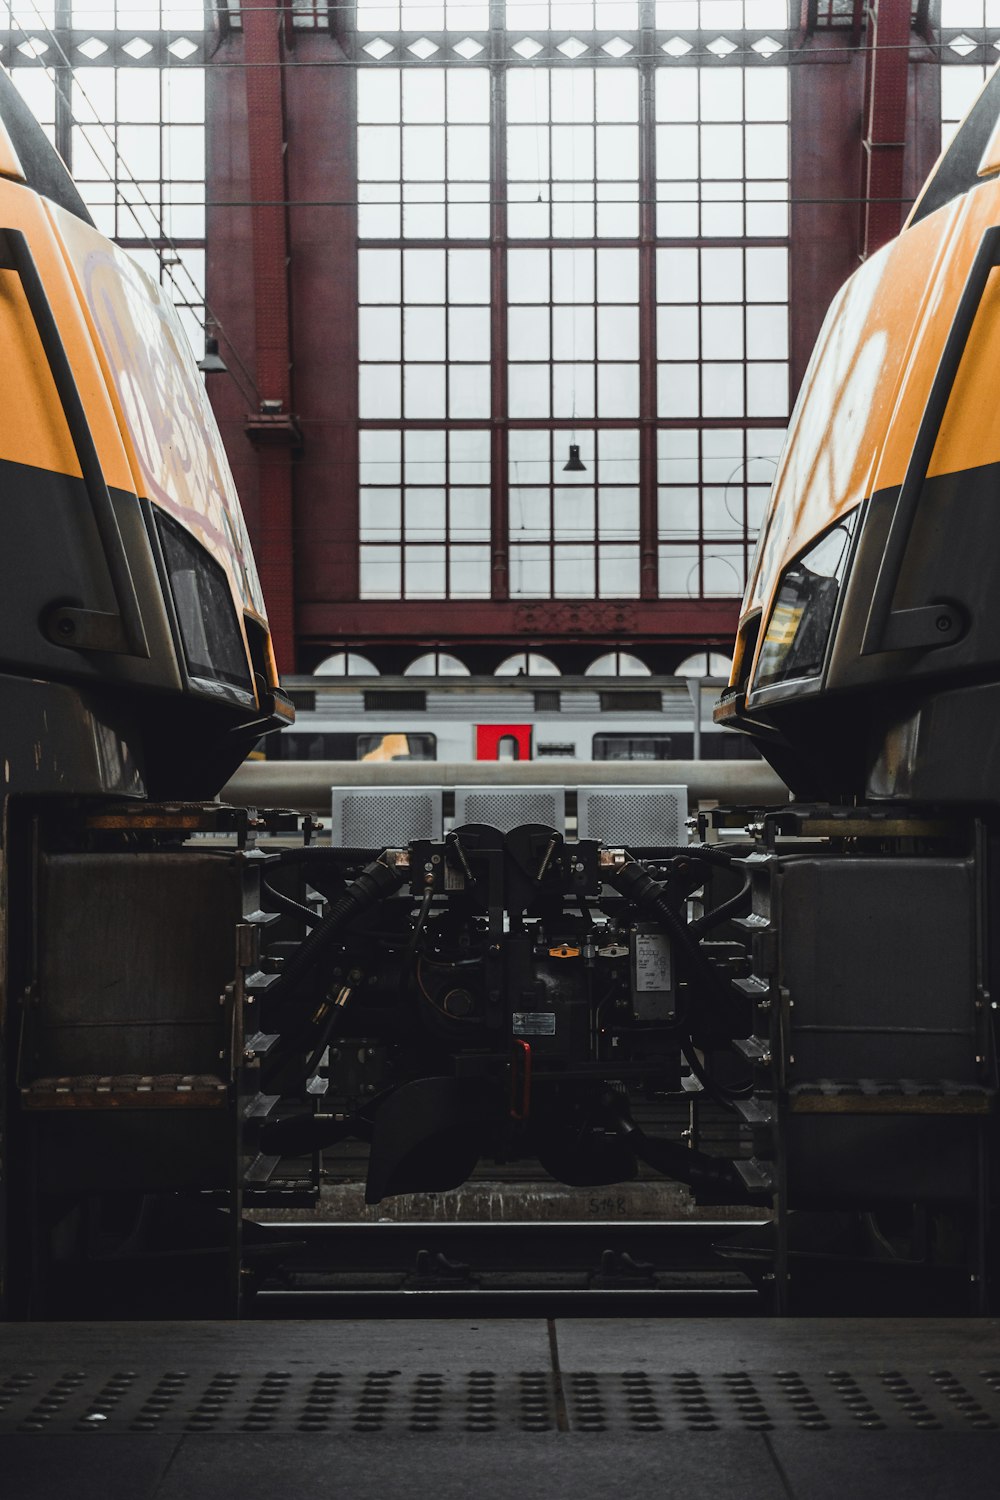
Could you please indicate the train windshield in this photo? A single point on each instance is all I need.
(802, 618)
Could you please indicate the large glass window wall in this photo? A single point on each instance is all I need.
(583, 248)
(120, 91)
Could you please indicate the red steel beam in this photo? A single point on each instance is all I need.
(273, 430)
(887, 73)
(608, 624)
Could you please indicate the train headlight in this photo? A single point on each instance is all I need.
(798, 631)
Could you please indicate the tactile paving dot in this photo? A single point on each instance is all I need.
(429, 1402)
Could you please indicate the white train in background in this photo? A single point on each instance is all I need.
(470, 718)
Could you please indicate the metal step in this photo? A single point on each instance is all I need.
(127, 1091)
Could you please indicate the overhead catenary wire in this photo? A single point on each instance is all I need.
(635, 56)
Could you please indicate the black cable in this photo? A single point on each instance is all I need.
(289, 906)
(373, 885)
(712, 854)
(411, 946)
(718, 1091)
(316, 1055)
(735, 906)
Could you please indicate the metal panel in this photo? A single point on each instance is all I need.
(633, 815)
(380, 818)
(135, 951)
(883, 985)
(508, 807)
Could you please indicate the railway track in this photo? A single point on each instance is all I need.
(411, 1268)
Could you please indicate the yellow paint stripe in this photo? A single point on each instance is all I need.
(33, 429)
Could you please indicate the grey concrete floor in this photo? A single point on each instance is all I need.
(742, 1408)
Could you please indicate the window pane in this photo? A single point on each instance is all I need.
(573, 572)
(380, 453)
(618, 513)
(378, 333)
(379, 391)
(469, 515)
(469, 570)
(380, 574)
(423, 275)
(573, 333)
(528, 392)
(617, 333)
(617, 94)
(469, 394)
(424, 391)
(528, 275)
(469, 453)
(572, 275)
(529, 572)
(618, 572)
(468, 276)
(679, 513)
(423, 96)
(424, 572)
(527, 334)
(425, 458)
(617, 390)
(424, 333)
(423, 153)
(530, 514)
(469, 95)
(378, 95)
(679, 572)
(618, 456)
(378, 275)
(425, 515)
(381, 515)
(572, 513)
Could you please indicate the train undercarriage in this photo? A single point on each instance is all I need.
(208, 1002)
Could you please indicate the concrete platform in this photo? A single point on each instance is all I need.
(716, 1407)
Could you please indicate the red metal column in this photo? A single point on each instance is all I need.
(887, 71)
(649, 577)
(499, 487)
(273, 430)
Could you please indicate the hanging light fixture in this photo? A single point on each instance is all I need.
(212, 363)
(574, 464)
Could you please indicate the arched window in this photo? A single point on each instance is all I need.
(618, 664)
(508, 748)
(705, 664)
(347, 664)
(527, 664)
(437, 664)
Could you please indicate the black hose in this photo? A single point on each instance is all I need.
(411, 946)
(647, 897)
(373, 885)
(735, 906)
